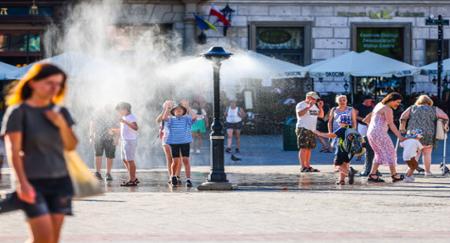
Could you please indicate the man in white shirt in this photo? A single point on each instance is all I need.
(128, 135)
(307, 113)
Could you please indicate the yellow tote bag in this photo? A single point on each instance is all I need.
(83, 181)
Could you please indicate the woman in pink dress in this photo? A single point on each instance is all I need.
(382, 119)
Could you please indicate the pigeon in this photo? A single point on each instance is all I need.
(234, 158)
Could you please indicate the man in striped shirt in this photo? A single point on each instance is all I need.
(178, 123)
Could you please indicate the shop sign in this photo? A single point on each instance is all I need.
(384, 41)
(382, 14)
(275, 36)
(334, 74)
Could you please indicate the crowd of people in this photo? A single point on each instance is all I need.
(364, 129)
(37, 130)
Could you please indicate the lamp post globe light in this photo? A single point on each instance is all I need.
(217, 179)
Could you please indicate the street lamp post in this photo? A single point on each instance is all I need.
(440, 22)
(217, 179)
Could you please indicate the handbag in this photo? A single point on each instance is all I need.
(440, 131)
(9, 202)
(83, 181)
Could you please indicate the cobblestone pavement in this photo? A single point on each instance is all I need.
(270, 204)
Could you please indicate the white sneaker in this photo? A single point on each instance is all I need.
(191, 150)
(197, 151)
(428, 174)
(409, 179)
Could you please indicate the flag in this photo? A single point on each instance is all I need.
(220, 17)
(203, 24)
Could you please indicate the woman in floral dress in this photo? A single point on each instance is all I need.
(423, 115)
(382, 119)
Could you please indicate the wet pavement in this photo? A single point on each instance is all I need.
(269, 204)
(266, 178)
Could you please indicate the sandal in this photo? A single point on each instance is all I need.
(374, 178)
(305, 170)
(311, 169)
(397, 179)
(340, 183)
(129, 183)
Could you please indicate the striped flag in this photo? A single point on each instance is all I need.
(204, 24)
(220, 17)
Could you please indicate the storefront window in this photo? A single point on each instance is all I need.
(285, 43)
(431, 47)
(20, 42)
(385, 41)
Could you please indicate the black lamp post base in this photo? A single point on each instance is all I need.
(215, 186)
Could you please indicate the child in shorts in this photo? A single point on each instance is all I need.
(411, 147)
(128, 135)
(349, 144)
(178, 121)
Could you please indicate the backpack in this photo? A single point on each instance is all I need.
(353, 143)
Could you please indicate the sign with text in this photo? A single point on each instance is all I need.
(385, 41)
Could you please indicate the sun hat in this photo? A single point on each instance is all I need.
(172, 111)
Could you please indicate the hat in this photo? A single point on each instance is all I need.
(172, 111)
(313, 94)
(414, 133)
(346, 119)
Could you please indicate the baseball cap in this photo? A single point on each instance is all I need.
(313, 94)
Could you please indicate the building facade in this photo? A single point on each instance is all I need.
(308, 31)
(23, 25)
(298, 31)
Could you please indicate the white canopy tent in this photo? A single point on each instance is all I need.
(365, 64)
(431, 69)
(6, 70)
(242, 65)
(72, 63)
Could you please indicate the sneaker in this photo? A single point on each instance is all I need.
(191, 150)
(364, 174)
(351, 176)
(197, 151)
(409, 179)
(237, 150)
(98, 176)
(188, 183)
(174, 181)
(428, 174)
(109, 177)
(228, 150)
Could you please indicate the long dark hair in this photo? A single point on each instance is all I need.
(391, 97)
